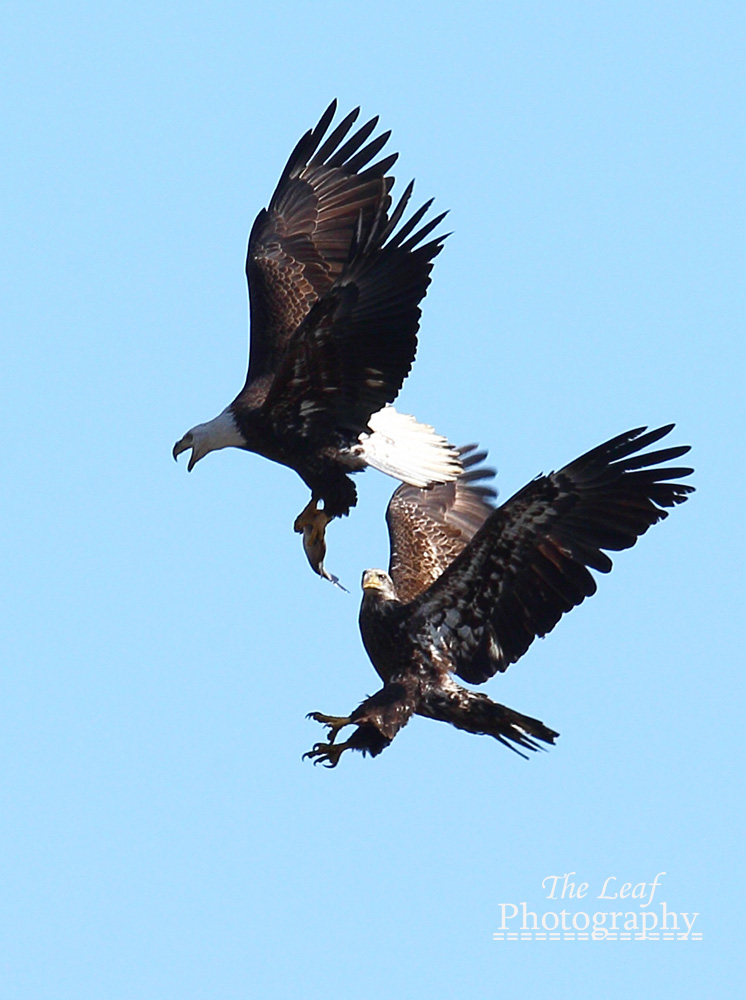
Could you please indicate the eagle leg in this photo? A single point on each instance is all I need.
(308, 517)
(311, 523)
(377, 720)
(333, 722)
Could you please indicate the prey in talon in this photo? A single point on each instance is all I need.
(336, 273)
(311, 523)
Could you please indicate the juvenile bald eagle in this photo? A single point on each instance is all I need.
(469, 588)
(334, 289)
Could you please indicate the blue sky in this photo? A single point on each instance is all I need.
(164, 639)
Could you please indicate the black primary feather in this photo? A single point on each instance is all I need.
(509, 577)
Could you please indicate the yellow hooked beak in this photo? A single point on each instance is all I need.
(186, 442)
(374, 579)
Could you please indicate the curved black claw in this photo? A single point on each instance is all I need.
(333, 723)
(327, 754)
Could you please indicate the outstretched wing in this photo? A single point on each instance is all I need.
(429, 528)
(353, 351)
(300, 244)
(530, 562)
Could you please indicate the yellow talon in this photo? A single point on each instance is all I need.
(327, 754)
(333, 722)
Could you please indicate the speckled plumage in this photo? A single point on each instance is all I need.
(429, 528)
(513, 577)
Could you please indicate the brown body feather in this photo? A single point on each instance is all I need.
(336, 277)
(514, 576)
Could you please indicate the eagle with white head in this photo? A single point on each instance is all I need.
(335, 284)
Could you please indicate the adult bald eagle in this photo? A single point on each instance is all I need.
(469, 588)
(334, 289)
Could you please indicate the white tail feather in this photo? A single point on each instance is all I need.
(410, 451)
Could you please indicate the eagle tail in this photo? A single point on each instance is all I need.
(476, 713)
(412, 452)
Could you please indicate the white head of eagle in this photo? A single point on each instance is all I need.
(221, 432)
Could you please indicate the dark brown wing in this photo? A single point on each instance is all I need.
(529, 564)
(299, 245)
(353, 351)
(429, 528)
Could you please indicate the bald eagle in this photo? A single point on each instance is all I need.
(335, 281)
(469, 588)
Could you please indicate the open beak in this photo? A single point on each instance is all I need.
(185, 443)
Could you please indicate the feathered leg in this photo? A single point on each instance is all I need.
(378, 720)
(476, 713)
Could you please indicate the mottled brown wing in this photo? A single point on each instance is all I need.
(299, 245)
(429, 528)
(351, 354)
(529, 563)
